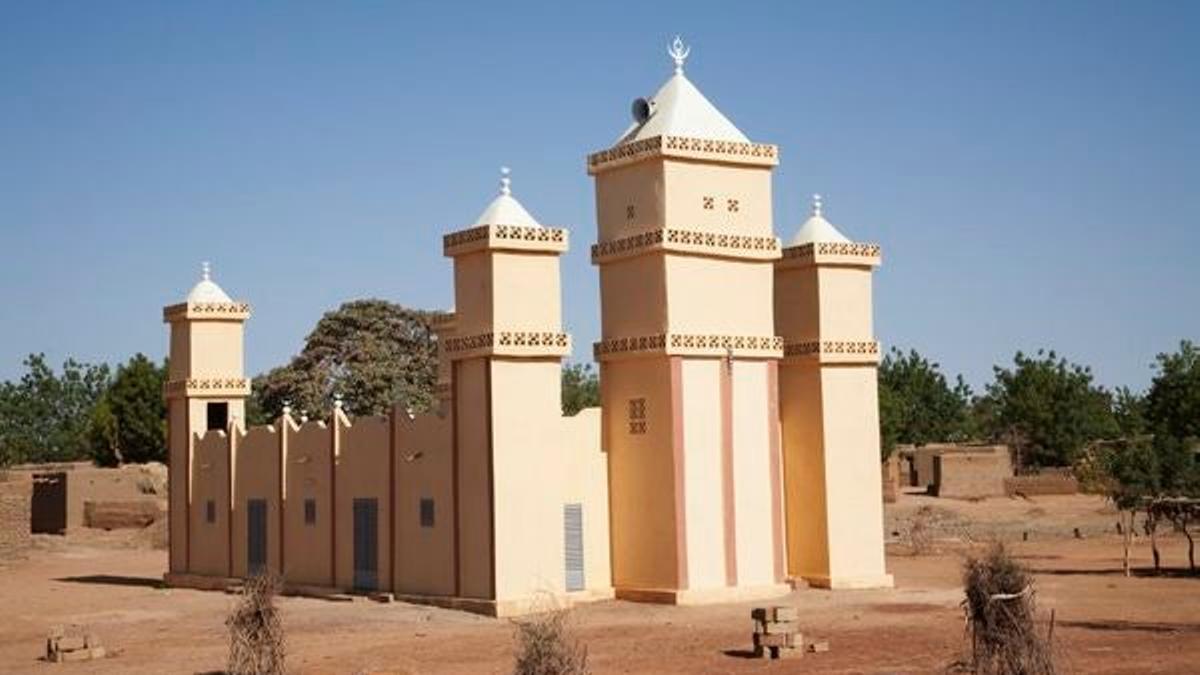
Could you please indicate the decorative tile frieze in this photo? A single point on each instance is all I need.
(509, 343)
(505, 236)
(216, 387)
(833, 351)
(684, 344)
(682, 146)
(238, 311)
(688, 241)
(834, 253)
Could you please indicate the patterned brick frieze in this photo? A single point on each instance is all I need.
(685, 147)
(833, 351)
(509, 343)
(756, 346)
(238, 311)
(208, 387)
(832, 253)
(504, 236)
(688, 241)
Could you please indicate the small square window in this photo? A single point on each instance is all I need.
(210, 511)
(426, 512)
(637, 415)
(218, 416)
(310, 511)
(708, 203)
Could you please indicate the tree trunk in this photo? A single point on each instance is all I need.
(1126, 535)
(1191, 548)
(1152, 527)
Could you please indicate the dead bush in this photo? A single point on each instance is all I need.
(1001, 617)
(546, 646)
(256, 644)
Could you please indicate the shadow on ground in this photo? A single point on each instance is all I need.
(114, 580)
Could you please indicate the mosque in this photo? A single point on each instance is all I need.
(735, 451)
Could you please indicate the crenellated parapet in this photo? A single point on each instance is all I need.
(683, 147)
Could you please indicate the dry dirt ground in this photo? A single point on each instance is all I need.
(1105, 623)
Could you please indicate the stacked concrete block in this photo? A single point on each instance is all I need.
(776, 632)
(15, 502)
(63, 646)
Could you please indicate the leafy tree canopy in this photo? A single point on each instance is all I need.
(580, 388)
(129, 422)
(1047, 408)
(1173, 402)
(372, 353)
(45, 416)
(916, 403)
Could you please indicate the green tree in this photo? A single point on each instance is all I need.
(1129, 412)
(45, 416)
(1048, 409)
(129, 421)
(1173, 402)
(372, 353)
(916, 403)
(580, 388)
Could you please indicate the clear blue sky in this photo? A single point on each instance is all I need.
(1031, 169)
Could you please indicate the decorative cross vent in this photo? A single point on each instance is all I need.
(708, 203)
(637, 415)
(629, 212)
(731, 205)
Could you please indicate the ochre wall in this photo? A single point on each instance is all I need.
(209, 544)
(804, 468)
(473, 485)
(722, 297)
(309, 474)
(638, 185)
(424, 555)
(687, 183)
(643, 278)
(528, 303)
(755, 537)
(362, 472)
(703, 472)
(255, 476)
(473, 292)
(641, 475)
(586, 482)
(845, 303)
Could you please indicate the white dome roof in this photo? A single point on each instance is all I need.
(816, 228)
(505, 209)
(679, 109)
(207, 290)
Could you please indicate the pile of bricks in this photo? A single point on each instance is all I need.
(63, 646)
(777, 633)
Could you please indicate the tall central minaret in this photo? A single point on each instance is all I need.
(688, 352)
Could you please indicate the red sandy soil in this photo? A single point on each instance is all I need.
(1105, 622)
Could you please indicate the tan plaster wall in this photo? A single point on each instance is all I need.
(723, 297)
(180, 363)
(210, 480)
(633, 297)
(804, 470)
(797, 304)
(473, 294)
(529, 476)
(688, 182)
(854, 492)
(177, 478)
(255, 476)
(307, 548)
(845, 297)
(362, 472)
(215, 349)
(752, 475)
(424, 555)
(531, 300)
(639, 185)
(474, 488)
(586, 482)
(641, 485)
(703, 472)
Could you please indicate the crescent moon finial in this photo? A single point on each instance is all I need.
(679, 53)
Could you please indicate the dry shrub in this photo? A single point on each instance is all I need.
(1001, 617)
(546, 646)
(256, 645)
(920, 532)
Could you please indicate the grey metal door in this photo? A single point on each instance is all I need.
(366, 544)
(573, 545)
(256, 533)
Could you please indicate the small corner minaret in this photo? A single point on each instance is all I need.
(829, 408)
(505, 349)
(206, 387)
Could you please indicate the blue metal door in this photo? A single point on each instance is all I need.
(366, 544)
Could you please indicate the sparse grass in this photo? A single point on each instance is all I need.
(546, 645)
(1001, 617)
(256, 642)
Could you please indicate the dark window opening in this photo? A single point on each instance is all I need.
(310, 511)
(426, 512)
(210, 511)
(218, 416)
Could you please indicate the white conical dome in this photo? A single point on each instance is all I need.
(207, 290)
(679, 109)
(505, 209)
(816, 228)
